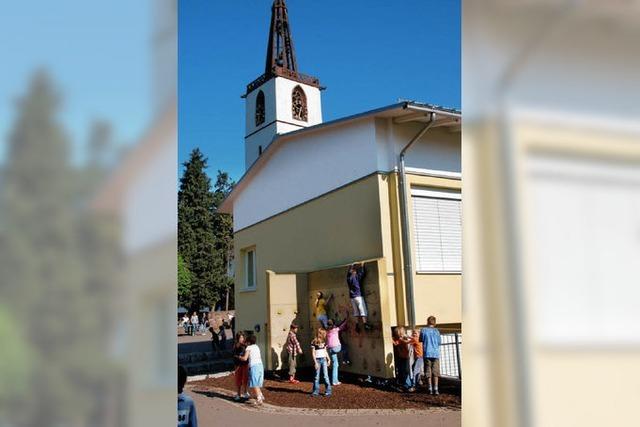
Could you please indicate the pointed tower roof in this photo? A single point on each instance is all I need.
(280, 52)
(281, 55)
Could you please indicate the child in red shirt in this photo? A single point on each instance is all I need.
(401, 347)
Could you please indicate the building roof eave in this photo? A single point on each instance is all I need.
(387, 111)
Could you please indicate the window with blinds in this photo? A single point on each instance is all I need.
(437, 216)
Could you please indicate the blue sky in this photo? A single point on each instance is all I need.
(98, 53)
(368, 53)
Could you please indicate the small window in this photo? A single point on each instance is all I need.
(250, 268)
(299, 104)
(259, 150)
(260, 108)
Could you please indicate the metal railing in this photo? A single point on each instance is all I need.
(450, 355)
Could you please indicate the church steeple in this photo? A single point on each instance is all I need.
(282, 99)
(281, 55)
(280, 52)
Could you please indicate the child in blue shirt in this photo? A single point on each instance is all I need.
(186, 407)
(355, 275)
(430, 339)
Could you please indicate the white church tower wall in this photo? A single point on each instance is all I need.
(282, 99)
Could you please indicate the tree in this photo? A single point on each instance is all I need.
(223, 235)
(196, 242)
(49, 275)
(184, 283)
(14, 363)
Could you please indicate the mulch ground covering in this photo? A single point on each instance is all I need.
(353, 393)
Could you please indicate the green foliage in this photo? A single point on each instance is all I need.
(204, 234)
(223, 235)
(184, 283)
(57, 263)
(195, 230)
(15, 361)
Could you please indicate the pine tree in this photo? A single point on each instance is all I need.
(43, 267)
(223, 235)
(184, 283)
(196, 241)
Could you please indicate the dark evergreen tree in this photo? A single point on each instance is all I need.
(184, 283)
(223, 235)
(47, 272)
(196, 241)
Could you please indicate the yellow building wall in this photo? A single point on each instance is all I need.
(435, 294)
(392, 246)
(307, 249)
(552, 389)
(333, 230)
(439, 295)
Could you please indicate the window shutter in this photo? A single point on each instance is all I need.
(437, 230)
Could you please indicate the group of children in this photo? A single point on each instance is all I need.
(193, 325)
(325, 348)
(425, 346)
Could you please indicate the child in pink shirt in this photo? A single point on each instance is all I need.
(334, 346)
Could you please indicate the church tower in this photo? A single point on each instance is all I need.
(282, 99)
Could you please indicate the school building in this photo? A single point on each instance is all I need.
(381, 187)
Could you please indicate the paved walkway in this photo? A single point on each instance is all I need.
(221, 412)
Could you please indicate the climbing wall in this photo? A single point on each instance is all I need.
(287, 296)
(370, 352)
(291, 298)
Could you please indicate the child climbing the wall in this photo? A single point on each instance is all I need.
(401, 351)
(430, 338)
(334, 346)
(321, 362)
(294, 349)
(256, 369)
(355, 276)
(241, 372)
(418, 361)
(321, 308)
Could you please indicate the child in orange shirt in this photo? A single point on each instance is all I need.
(418, 362)
(401, 352)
